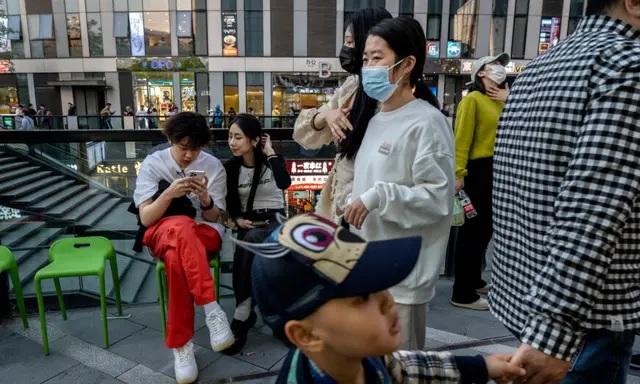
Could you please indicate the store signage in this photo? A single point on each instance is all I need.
(230, 34)
(324, 70)
(118, 169)
(136, 27)
(161, 64)
(5, 43)
(549, 33)
(513, 68)
(301, 194)
(433, 49)
(5, 66)
(307, 183)
(309, 167)
(454, 49)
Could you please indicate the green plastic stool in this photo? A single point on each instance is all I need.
(163, 293)
(75, 257)
(8, 263)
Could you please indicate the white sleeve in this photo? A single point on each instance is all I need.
(146, 183)
(428, 201)
(218, 186)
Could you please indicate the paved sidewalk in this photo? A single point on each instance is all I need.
(137, 354)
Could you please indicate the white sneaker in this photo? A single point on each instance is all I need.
(185, 366)
(219, 330)
(479, 305)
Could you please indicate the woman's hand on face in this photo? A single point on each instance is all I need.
(498, 94)
(267, 146)
(245, 224)
(338, 122)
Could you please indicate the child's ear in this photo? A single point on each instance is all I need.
(300, 333)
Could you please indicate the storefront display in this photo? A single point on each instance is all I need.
(307, 180)
(303, 90)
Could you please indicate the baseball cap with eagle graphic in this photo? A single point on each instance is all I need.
(309, 260)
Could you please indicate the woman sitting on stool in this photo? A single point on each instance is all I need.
(256, 179)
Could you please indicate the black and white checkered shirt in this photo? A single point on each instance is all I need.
(566, 184)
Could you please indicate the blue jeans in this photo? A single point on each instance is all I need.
(603, 359)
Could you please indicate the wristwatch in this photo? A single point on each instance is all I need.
(208, 207)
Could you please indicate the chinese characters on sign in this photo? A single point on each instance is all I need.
(309, 167)
(229, 34)
(549, 33)
(136, 26)
(7, 213)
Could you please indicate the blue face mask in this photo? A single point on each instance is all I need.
(376, 84)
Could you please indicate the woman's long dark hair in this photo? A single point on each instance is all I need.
(363, 107)
(251, 128)
(406, 37)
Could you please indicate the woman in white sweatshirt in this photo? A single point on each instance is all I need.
(404, 174)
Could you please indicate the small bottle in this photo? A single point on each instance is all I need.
(458, 213)
(468, 208)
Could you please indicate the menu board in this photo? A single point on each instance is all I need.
(229, 34)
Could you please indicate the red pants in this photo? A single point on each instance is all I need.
(183, 244)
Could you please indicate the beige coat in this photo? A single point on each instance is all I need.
(333, 198)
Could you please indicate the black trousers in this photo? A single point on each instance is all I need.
(474, 236)
(243, 259)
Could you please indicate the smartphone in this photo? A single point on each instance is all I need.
(198, 175)
(260, 224)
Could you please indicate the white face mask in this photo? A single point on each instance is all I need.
(497, 73)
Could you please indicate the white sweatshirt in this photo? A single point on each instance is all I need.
(405, 176)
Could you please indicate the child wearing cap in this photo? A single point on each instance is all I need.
(323, 290)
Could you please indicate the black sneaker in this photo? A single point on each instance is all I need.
(240, 331)
(635, 361)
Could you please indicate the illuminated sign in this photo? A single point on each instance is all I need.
(118, 169)
(161, 64)
(307, 183)
(309, 167)
(433, 49)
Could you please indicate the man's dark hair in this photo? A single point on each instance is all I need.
(188, 124)
(599, 7)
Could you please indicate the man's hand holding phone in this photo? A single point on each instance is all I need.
(198, 183)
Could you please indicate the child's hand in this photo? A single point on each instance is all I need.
(501, 370)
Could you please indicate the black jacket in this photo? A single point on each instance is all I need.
(280, 174)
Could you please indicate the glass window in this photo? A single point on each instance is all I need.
(183, 21)
(406, 8)
(351, 6)
(231, 92)
(201, 45)
(157, 34)
(41, 26)
(199, 5)
(17, 49)
(433, 26)
(71, 6)
(463, 23)
(498, 27)
(120, 5)
(253, 28)
(434, 6)
(575, 15)
(120, 24)
(185, 46)
(187, 92)
(552, 8)
(14, 23)
(13, 7)
(123, 46)
(154, 90)
(73, 33)
(92, 5)
(229, 5)
(255, 93)
(94, 31)
(519, 37)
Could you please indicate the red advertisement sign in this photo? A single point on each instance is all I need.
(309, 167)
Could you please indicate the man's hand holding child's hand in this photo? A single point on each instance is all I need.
(501, 369)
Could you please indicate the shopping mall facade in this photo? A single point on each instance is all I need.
(241, 53)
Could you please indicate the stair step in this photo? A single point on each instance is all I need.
(4, 160)
(58, 198)
(86, 207)
(20, 234)
(68, 284)
(133, 280)
(18, 173)
(8, 225)
(118, 219)
(20, 181)
(148, 292)
(64, 207)
(32, 187)
(38, 196)
(30, 261)
(13, 165)
(100, 211)
(91, 284)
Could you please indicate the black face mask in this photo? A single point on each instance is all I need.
(347, 59)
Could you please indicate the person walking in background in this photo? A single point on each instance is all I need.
(475, 135)
(152, 118)
(141, 114)
(72, 110)
(218, 117)
(105, 117)
(41, 115)
(566, 264)
(404, 181)
(26, 122)
(275, 117)
(344, 118)
(256, 179)
(17, 117)
(30, 111)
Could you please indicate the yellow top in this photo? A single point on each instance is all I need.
(475, 131)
